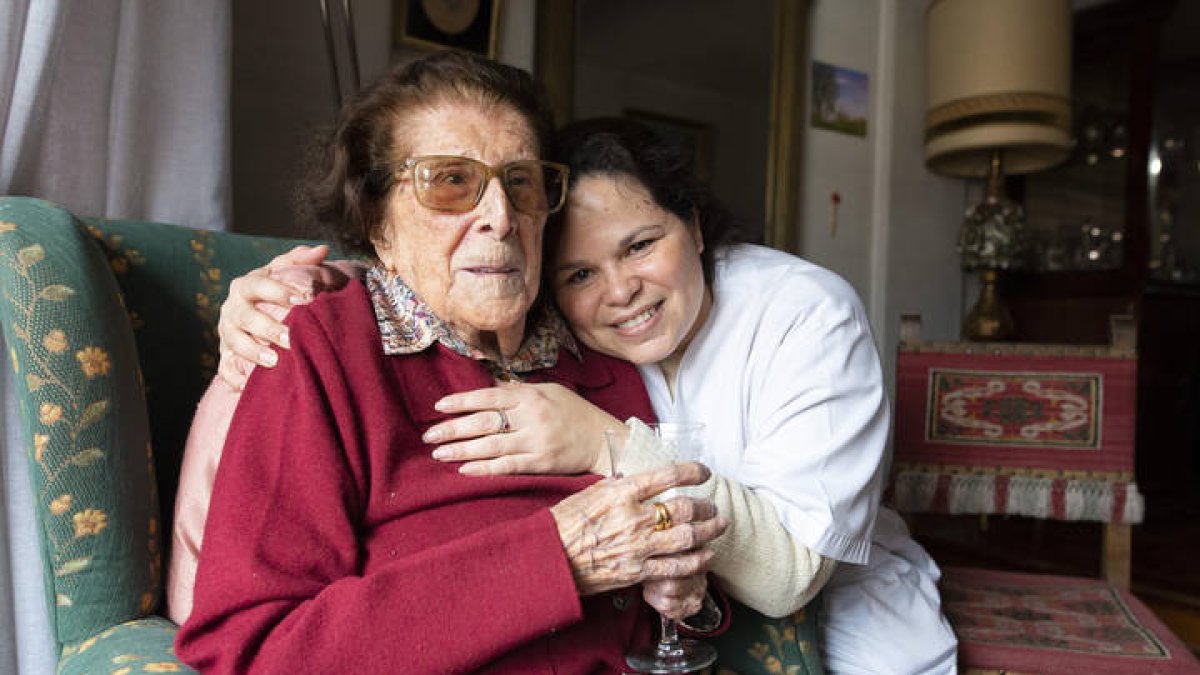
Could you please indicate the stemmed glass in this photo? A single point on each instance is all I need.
(671, 654)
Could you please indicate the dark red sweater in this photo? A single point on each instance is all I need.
(336, 543)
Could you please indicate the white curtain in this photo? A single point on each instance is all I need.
(113, 108)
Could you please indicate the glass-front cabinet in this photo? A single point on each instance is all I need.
(1116, 229)
(1135, 170)
(1076, 211)
(1173, 173)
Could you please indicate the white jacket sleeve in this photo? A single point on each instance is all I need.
(757, 561)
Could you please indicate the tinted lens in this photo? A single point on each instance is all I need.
(534, 187)
(450, 184)
(457, 183)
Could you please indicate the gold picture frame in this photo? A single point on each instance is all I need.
(554, 67)
(467, 25)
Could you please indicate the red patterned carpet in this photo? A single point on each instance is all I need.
(1055, 624)
(1165, 550)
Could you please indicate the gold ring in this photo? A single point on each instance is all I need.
(662, 517)
(505, 427)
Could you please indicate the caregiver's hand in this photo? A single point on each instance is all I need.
(252, 315)
(551, 430)
(611, 542)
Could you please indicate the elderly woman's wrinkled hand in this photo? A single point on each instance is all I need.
(613, 539)
(546, 429)
(676, 598)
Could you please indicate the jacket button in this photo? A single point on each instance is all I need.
(621, 601)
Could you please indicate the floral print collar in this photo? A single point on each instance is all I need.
(408, 326)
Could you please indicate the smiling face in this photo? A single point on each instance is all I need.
(478, 271)
(628, 275)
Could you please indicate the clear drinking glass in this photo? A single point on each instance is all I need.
(671, 654)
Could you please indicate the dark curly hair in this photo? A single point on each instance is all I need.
(350, 172)
(613, 145)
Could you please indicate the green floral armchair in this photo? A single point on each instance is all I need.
(110, 330)
(110, 333)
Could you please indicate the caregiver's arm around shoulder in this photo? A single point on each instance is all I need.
(252, 315)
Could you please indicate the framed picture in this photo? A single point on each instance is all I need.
(469, 25)
(693, 138)
(839, 99)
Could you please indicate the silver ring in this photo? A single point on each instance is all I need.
(505, 427)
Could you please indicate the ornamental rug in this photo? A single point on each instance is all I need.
(1054, 624)
(1053, 413)
(1014, 408)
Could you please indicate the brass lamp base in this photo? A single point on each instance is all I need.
(989, 320)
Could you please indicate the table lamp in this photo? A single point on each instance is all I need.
(997, 103)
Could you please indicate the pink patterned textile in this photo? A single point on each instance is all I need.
(1053, 624)
(1039, 431)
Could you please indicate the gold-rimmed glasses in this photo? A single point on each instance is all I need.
(456, 184)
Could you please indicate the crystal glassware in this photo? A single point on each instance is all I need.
(671, 653)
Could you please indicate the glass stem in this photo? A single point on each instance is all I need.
(670, 633)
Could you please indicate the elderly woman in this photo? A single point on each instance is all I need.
(334, 538)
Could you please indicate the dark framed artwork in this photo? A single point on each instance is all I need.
(469, 25)
(695, 139)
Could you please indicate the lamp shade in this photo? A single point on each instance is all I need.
(998, 78)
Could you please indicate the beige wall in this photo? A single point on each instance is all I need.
(897, 222)
(918, 218)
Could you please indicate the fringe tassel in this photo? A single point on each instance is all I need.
(1135, 507)
(1088, 500)
(972, 493)
(915, 491)
(1095, 500)
(1030, 496)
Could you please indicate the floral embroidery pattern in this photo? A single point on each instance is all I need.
(93, 361)
(55, 341)
(208, 300)
(68, 404)
(61, 504)
(408, 326)
(120, 257)
(89, 521)
(64, 412)
(49, 413)
(147, 600)
(782, 653)
(159, 659)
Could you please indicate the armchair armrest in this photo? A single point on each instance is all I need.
(138, 646)
(83, 412)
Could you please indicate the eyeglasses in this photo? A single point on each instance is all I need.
(457, 184)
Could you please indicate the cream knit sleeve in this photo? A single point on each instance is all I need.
(757, 561)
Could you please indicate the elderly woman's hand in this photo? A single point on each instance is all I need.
(252, 315)
(676, 598)
(610, 537)
(552, 430)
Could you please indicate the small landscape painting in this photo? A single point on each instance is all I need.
(839, 99)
